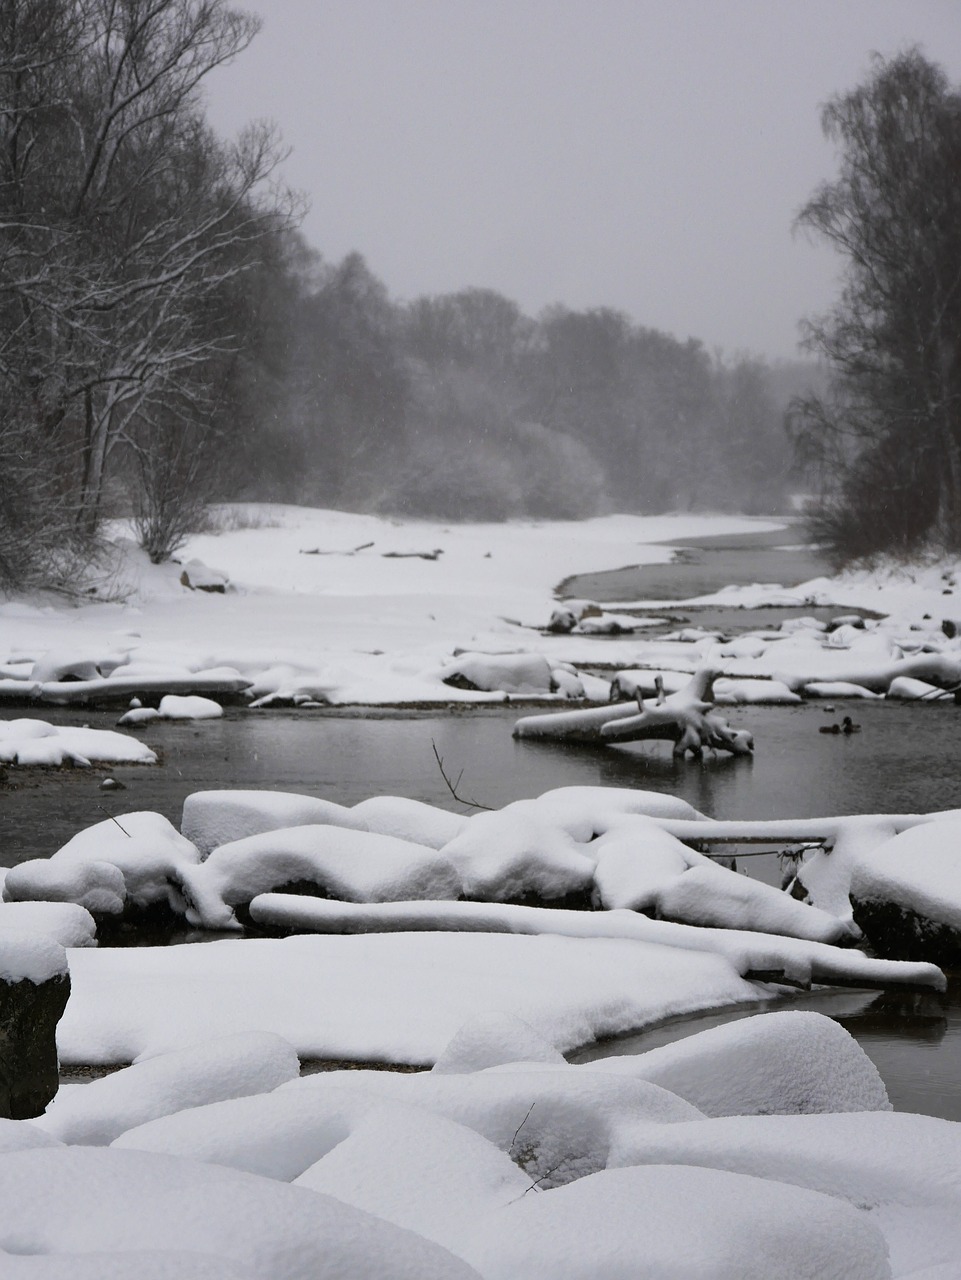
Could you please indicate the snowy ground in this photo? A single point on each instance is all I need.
(502, 1161)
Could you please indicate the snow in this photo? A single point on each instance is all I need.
(682, 1223)
(34, 742)
(761, 1148)
(83, 1200)
(780, 1063)
(339, 628)
(65, 922)
(359, 866)
(917, 870)
(901, 1172)
(137, 858)
(234, 1066)
(492, 1040)
(396, 1153)
(514, 853)
(212, 818)
(30, 957)
(379, 997)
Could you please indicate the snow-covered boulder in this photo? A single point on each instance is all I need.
(906, 893)
(682, 1223)
(492, 1040)
(97, 887)
(336, 862)
(87, 1200)
(420, 1171)
(66, 923)
(201, 577)
(516, 673)
(512, 854)
(231, 1067)
(212, 818)
(558, 1124)
(190, 707)
(641, 867)
(136, 859)
(789, 1062)
(409, 820)
(898, 1172)
(35, 742)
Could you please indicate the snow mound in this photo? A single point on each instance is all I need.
(26, 957)
(517, 673)
(212, 818)
(556, 1123)
(85, 1200)
(34, 742)
(683, 1223)
(138, 858)
(782, 1063)
(512, 854)
(65, 922)
(232, 1067)
(359, 866)
(419, 1171)
(175, 706)
(492, 1040)
(409, 820)
(898, 1172)
(97, 887)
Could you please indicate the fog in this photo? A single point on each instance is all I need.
(628, 153)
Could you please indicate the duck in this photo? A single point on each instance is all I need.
(847, 725)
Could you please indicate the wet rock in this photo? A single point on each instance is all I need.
(900, 933)
(29, 1070)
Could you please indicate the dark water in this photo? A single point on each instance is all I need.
(903, 760)
(704, 565)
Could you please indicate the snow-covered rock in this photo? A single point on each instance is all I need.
(212, 818)
(83, 1200)
(516, 673)
(35, 742)
(409, 820)
(338, 862)
(682, 1223)
(513, 854)
(781, 1063)
(232, 1067)
(137, 858)
(65, 923)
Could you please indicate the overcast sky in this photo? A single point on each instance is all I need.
(648, 155)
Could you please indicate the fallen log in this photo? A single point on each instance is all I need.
(687, 718)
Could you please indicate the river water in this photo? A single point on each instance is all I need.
(903, 760)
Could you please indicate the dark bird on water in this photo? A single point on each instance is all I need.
(847, 725)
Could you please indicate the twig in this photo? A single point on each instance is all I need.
(510, 1150)
(113, 819)
(452, 786)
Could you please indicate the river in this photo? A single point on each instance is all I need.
(904, 759)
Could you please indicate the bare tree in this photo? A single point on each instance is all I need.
(888, 438)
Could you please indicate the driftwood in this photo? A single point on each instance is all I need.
(687, 718)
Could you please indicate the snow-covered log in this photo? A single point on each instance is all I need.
(687, 718)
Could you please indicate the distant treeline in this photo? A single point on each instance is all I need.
(463, 407)
(167, 338)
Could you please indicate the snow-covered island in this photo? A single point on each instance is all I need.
(479, 947)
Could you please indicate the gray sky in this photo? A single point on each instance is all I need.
(648, 155)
